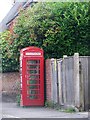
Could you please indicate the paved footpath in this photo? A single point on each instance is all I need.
(11, 110)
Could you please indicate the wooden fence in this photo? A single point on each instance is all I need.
(70, 81)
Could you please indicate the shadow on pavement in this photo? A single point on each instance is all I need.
(9, 97)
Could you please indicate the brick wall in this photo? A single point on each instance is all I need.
(48, 80)
(11, 25)
(11, 82)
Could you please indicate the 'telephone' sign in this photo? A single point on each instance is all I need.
(26, 0)
(33, 53)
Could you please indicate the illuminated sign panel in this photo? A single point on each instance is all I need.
(33, 53)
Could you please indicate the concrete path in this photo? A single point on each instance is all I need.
(11, 110)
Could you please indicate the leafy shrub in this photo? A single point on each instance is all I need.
(18, 97)
(49, 104)
(53, 105)
(70, 110)
(9, 61)
(58, 28)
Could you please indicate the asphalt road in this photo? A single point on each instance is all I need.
(12, 110)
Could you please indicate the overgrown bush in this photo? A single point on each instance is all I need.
(53, 105)
(18, 97)
(58, 28)
(9, 60)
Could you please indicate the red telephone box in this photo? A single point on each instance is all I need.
(32, 76)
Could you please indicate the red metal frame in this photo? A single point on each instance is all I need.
(32, 76)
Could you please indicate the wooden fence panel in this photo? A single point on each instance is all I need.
(89, 83)
(69, 81)
(65, 80)
(84, 65)
(82, 82)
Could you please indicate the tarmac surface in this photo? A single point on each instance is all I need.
(10, 109)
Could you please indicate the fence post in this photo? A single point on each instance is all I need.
(54, 81)
(76, 80)
(59, 65)
(64, 79)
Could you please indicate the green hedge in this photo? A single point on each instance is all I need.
(58, 28)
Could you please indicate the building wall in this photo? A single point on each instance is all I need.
(12, 24)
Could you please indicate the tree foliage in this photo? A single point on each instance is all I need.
(58, 28)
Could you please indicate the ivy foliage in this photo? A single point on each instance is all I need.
(59, 28)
